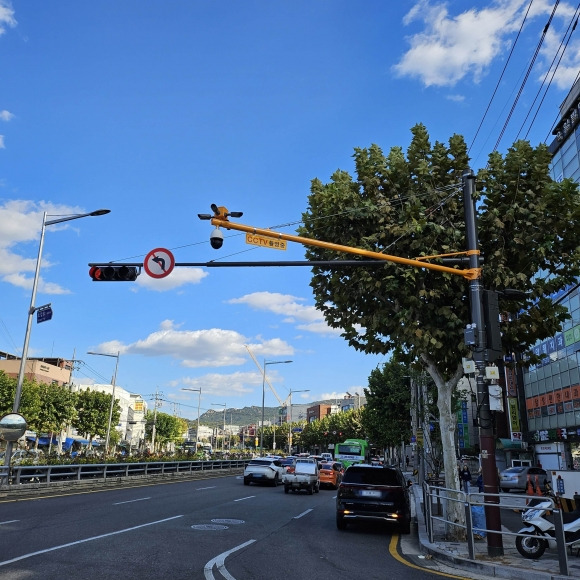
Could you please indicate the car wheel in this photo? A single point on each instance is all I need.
(340, 523)
(276, 480)
(405, 526)
(505, 489)
(246, 482)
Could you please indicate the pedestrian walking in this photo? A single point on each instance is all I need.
(465, 477)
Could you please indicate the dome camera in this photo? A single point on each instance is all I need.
(216, 239)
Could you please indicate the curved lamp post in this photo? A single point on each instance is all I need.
(290, 417)
(266, 363)
(33, 309)
(112, 397)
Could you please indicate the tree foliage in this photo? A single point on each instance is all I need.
(410, 205)
(386, 417)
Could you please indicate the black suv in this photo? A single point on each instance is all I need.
(373, 492)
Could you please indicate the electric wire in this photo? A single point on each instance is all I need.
(501, 75)
(561, 51)
(529, 70)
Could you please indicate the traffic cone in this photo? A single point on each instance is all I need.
(529, 488)
(538, 488)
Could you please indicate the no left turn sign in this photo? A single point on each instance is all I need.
(159, 263)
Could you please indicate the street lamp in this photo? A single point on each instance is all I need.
(272, 362)
(224, 431)
(33, 309)
(112, 396)
(290, 417)
(198, 408)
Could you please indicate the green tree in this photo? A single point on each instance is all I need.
(92, 418)
(168, 429)
(57, 411)
(386, 416)
(411, 205)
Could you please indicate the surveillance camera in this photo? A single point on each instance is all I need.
(216, 239)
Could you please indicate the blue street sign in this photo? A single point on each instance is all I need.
(43, 314)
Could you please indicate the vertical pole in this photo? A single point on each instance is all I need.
(31, 311)
(197, 432)
(263, 395)
(111, 407)
(290, 423)
(486, 436)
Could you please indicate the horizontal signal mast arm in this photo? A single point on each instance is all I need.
(470, 274)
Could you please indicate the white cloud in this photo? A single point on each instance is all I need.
(289, 307)
(21, 223)
(6, 115)
(334, 395)
(218, 385)
(2, 146)
(451, 47)
(178, 277)
(6, 16)
(212, 347)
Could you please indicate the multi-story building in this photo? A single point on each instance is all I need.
(319, 411)
(51, 371)
(552, 387)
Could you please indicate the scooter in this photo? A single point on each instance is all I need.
(539, 532)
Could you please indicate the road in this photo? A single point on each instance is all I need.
(210, 529)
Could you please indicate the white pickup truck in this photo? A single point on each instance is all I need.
(305, 476)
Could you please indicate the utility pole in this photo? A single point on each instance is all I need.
(476, 338)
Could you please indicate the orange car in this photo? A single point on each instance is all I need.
(331, 474)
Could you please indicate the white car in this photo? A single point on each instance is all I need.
(264, 470)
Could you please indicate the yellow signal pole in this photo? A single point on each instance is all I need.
(220, 219)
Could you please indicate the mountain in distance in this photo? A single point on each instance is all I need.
(253, 415)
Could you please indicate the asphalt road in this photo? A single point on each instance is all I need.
(211, 529)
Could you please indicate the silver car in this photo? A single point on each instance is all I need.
(517, 478)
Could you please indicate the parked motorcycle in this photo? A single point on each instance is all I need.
(539, 532)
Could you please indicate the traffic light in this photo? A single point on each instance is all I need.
(114, 273)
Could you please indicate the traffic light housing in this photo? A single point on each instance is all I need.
(114, 273)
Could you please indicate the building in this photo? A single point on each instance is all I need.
(51, 371)
(551, 402)
(317, 412)
(131, 425)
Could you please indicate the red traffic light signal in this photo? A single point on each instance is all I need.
(114, 273)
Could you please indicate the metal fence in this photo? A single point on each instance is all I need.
(436, 503)
(17, 475)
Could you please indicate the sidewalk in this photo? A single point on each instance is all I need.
(510, 565)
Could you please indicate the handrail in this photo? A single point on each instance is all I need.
(436, 498)
(51, 474)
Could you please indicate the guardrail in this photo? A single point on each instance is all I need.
(17, 475)
(436, 502)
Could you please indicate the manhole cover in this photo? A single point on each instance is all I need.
(208, 527)
(231, 522)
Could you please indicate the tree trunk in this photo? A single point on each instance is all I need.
(447, 424)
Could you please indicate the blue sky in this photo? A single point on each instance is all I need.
(155, 110)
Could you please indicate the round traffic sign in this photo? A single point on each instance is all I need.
(159, 263)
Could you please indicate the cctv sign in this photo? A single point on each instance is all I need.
(266, 242)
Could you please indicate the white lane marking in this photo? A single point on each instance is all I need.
(218, 561)
(302, 514)
(243, 498)
(25, 556)
(9, 522)
(202, 488)
(132, 500)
